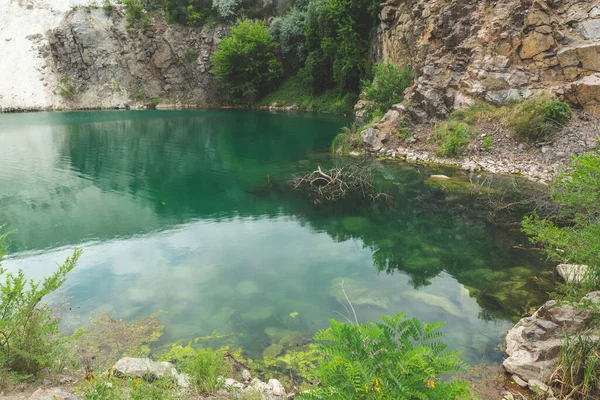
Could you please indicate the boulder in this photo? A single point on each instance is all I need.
(586, 91)
(572, 272)
(534, 343)
(148, 369)
(52, 394)
(373, 139)
(589, 55)
(535, 43)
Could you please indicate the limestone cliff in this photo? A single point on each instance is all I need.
(492, 50)
(107, 63)
(66, 54)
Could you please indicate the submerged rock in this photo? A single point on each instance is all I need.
(534, 343)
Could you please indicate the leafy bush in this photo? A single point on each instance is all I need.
(226, 9)
(538, 117)
(288, 31)
(393, 359)
(28, 328)
(337, 39)
(452, 137)
(245, 62)
(388, 85)
(572, 235)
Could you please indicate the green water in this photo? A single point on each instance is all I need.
(168, 209)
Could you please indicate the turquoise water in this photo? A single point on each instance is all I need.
(169, 209)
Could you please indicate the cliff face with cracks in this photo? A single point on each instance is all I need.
(63, 54)
(492, 50)
(108, 64)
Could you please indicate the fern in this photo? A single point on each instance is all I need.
(396, 358)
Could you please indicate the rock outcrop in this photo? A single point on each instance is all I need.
(107, 63)
(492, 50)
(534, 343)
(147, 369)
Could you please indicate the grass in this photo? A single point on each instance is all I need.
(579, 367)
(452, 137)
(294, 90)
(487, 143)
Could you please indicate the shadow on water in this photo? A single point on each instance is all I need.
(166, 207)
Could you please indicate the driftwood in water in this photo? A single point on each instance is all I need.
(352, 180)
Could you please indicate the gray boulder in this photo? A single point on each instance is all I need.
(534, 343)
(148, 369)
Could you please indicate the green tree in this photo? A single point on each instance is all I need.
(393, 359)
(572, 234)
(28, 327)
(288, 31)
(337, 34)
(245, 62)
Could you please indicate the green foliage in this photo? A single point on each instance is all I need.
(226, 9)
(28, 328)
(487, 143)
(294, 90)
(451, 138)
(205, 369)
(538, 117)
(388, 85)
(204, 365)
(579, 367)
(337, 40)
(65, 87)
(245, 62)
(111, 388)
(393, 359)
(288, 31)
(572, 235)
(136, 14)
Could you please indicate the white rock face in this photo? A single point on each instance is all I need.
(23, 27)
(573, 272)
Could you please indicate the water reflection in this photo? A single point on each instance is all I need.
(163, 204)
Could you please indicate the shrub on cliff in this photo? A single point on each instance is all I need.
(388, 85)
(539, 117)
(245, 62)
(28, 328)
(393, 359)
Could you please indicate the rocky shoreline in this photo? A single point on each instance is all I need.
(538, 162)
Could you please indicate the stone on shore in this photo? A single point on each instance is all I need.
(148, 369)
(534, 343)
(573, 273)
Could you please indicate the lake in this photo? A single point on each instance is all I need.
(178, 211)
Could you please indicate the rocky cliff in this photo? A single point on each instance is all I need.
(103, 62)
(492, 50)
(66, 54)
